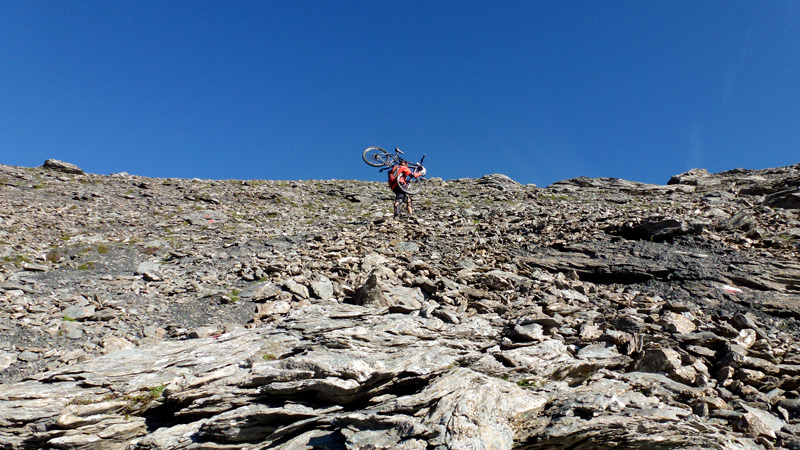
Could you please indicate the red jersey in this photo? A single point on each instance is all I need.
(399, 172)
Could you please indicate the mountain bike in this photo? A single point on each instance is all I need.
(378, 157)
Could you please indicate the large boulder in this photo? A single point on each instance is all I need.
(380, 294)
(61, 166)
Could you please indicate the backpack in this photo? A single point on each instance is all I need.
(393, 176)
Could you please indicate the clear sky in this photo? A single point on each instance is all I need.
(293, 89)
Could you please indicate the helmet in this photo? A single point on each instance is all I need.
(422, 171)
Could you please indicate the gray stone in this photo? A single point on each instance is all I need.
(660, 360)
(404, 299)
(151, 271)
(260, 292)
(28, 356)
(395, 298)
(787, 200)
(32, 267)
(114, 343)
(205, 331)
(677, 323)
(760, 422)
(296, 288)
(78, 312)
(791, 405)
(746, 338)
(153, 331)
(61, 166)
(529, 332)
(409, 247)
(322, 289)
(72, 330)
(270, 309)
(6, 359)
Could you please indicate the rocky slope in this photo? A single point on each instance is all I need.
(141, 313)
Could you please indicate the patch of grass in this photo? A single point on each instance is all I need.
(527, 383)
(269, 357)
(156, 391)
(19, 259)
(86, 266)
(67, 318)
(22, 259)
(136, 403)
(232, 297)
(102, 249)
(83, 401)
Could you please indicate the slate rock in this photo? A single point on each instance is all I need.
(79, 312)
(785, 199)
(322, 289)
(61, 166)
(6, 359)
(521, 319)
(657, 229)
(260, 292)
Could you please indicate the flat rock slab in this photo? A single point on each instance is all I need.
(61, 166)
(373, 377)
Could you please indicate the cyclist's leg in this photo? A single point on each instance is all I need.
(398, 197)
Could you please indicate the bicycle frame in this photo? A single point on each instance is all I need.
(394, 159)
(415, 167)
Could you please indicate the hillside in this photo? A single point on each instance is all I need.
(143, 313)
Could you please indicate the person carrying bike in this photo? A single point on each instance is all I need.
(400, 174)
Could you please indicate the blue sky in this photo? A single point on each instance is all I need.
(538, 90)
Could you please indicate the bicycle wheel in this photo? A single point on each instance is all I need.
(412, 186)
(376, 157)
